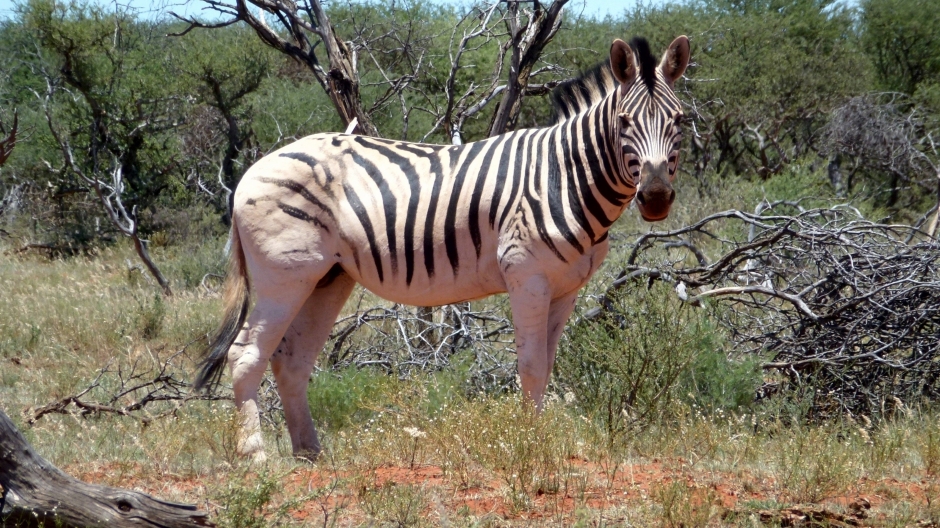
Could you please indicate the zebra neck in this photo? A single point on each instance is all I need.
(589, 164)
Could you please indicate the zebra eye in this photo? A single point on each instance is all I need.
(633, 166)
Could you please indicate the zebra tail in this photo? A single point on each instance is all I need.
(236, 299)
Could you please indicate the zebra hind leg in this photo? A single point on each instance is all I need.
(279, 297)
(294, 360)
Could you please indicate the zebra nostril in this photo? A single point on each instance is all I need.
(672, 195)
(639, 198)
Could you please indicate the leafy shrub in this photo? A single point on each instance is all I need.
(248, 501)
(714, 382)
(633, 364)
(338, 400)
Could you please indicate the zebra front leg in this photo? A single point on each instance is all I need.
(558, 314)
(294, 360)
(248, 359)
(530, 299)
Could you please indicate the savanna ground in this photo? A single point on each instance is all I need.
(429, 449)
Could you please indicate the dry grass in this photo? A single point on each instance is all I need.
(418, 452)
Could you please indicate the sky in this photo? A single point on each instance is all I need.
(598, 8)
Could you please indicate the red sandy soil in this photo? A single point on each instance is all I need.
(596, 488)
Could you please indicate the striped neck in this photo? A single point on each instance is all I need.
(590, 145)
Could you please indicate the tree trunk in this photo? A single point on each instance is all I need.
(835, 175)
(144, 255)
(36, 493)
(528, 43)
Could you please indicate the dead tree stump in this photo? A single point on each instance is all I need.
(36, 493)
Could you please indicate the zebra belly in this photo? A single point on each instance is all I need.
(474, 280)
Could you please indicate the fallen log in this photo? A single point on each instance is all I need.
(36, 493)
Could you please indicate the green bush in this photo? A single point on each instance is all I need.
(716, 382)
(644, 359)
(351, 396)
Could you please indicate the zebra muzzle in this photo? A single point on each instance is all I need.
(655, 193)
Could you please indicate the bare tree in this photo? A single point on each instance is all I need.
(886, 133)
(400, 54)
(529, 32)
(107, 181)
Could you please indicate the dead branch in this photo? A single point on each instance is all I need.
(530, 32)
(847, 306)
(405, 342)
(887, 133)
(130, 393)
(109, 194)
(7, 143)
(33, 492)
(299, 29)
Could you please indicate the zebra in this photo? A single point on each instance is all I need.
(525, 213)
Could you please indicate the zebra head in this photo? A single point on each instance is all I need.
(649, 118)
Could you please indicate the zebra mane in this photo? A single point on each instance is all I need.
(577, 95)
(647, 62)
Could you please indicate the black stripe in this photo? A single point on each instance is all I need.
(535, 205)
(518, 175)
(482, 175)
(555, 206)
(438, 173)
(602, 128)
(313, 164)
(590, 156)
(363, 216)
(301, 190)
(502, 172)
(450, 230)
(389, 204)
(352, 248)
(574, 203)
(584, 187)
(300, 214)
(407, 167)
(301, 157)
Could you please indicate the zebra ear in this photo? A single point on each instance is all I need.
(622, 62)
(675, 59)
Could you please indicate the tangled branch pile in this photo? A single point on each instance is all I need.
(837, 304)
(406, 340)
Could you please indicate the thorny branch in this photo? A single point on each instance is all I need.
(130, 392)
(836, 303)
